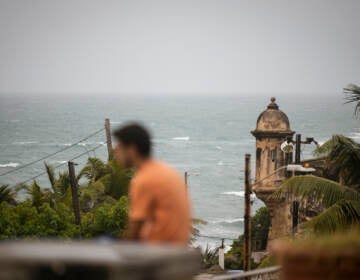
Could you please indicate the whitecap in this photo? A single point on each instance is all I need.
(84, 144)
(25, 142)
(228, 221)
(232, 221)
(240, 193)
(61, 161)
(184, 138)
(10, 164)
(219, 147)
(355, 135)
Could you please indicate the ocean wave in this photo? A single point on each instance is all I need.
(91, 143)
(25, 142)
(355, 135)
(184, 138)
(228, 221)
(10, 164)
(61, 161)
(85, 144)
(232, 221)
(240, 193)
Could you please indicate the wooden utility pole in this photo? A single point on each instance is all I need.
(247, 225)
(74, 192)
(186, 178)
(108, 139)
(297, 148)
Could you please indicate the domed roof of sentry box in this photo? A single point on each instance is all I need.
(272, 122)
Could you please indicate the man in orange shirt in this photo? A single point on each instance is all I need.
(159, 203)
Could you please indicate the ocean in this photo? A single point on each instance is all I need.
(204, 136)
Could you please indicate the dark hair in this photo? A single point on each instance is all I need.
(137, 135)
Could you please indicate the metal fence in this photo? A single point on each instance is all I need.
(269, 273)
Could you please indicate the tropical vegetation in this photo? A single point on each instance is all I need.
(260, 224)
(338, 190)
(48, 211)
(339, 195)
(352, 95)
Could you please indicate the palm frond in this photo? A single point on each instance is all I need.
(316, 188)
(345, 157)
(339, 217)
(62, 183)
(7, 194)
(116, 182)
(51, 174)
(334, 141)
(352, 94)
(36, 194)
(93, 170)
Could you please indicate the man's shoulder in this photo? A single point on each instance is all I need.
(157, 169)
(153, 164)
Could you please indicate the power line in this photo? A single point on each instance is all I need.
(50, 155)
(40, 174)
(59, 165)
(87, 152)
(217, 237)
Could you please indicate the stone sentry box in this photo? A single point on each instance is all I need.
(272, 128)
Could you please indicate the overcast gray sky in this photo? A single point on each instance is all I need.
(221, 46)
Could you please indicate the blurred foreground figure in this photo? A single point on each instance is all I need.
(159, 203)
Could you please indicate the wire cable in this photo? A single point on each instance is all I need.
(59, 165)
(217, 237)
(87, 152)
(50, 155)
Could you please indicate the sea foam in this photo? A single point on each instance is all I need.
(185, 138)
(240, 193)
(25, 142)
(10, 164)
(228, 221)
(355, 135)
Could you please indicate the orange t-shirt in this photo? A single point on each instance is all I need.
(158, 196)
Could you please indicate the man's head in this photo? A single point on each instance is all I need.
(133, 144)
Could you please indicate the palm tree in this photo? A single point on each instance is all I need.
(342, 203)
(342, 156)
(37, 194)
(116, 181)
(6, 194)
(93, 170)
(352, 94)
(107, 182)
(341, 196)
(60, 186)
